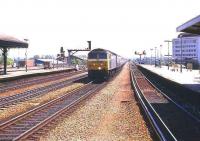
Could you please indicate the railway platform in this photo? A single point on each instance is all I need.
(188, 79)
(12, 75)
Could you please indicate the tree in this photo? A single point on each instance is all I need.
(36, 56)
(10, 61)
(48, 57)
(1, 60)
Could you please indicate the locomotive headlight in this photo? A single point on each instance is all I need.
(99, 68)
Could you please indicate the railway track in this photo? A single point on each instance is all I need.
(14, 99)
(28, 82)
(25, 125)
(170, 120)
(185, 97)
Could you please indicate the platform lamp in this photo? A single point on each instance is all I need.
(168, 41)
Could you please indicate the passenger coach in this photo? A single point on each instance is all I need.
(103, 63)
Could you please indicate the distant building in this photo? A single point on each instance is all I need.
(22, 63)
(190, 46)
(151, 60)
(49, 63)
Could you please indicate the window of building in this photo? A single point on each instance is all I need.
(176, 42)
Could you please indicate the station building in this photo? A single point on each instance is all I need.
(187, 48)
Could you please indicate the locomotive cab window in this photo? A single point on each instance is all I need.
(92, 56)
(102, 56)
(99, 55)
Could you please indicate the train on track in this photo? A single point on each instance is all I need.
(103, 63)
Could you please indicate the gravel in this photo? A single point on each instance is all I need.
(13, 92)
(111, 114)
(29, 104)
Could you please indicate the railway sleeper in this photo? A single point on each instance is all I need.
(19, 128)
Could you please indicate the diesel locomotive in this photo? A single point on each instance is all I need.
(102, 63)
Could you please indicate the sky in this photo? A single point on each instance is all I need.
(122, 26)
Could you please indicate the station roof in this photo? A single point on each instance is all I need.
(11, 42)
(191, 26)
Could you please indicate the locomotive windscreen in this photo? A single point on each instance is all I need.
(97, 55)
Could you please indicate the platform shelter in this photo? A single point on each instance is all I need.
(9, 42)
(191, 26)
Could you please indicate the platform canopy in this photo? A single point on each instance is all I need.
(11, 42)
(191, 26)
(7, 42)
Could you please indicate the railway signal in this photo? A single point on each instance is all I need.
(140, 54)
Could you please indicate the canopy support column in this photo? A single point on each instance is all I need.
(5, 50)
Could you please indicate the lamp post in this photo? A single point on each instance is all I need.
(168, 41)
(26, 56)
(53, 61)
(26, 60)
(63, 62)
(151, 55)
(5, 51)
(155, 56)
(57, 62)
(160, 55)
(181, 67)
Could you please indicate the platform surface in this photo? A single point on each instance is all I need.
(13, 74)
(190, 79)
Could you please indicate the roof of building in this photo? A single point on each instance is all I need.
(11, 42)
(48, 60)
(187, 35)
(191, 26)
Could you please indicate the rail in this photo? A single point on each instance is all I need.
(159, 126)
(46, 113)
(168, 98)
(10, 100)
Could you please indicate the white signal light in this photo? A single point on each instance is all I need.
(99, 68)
